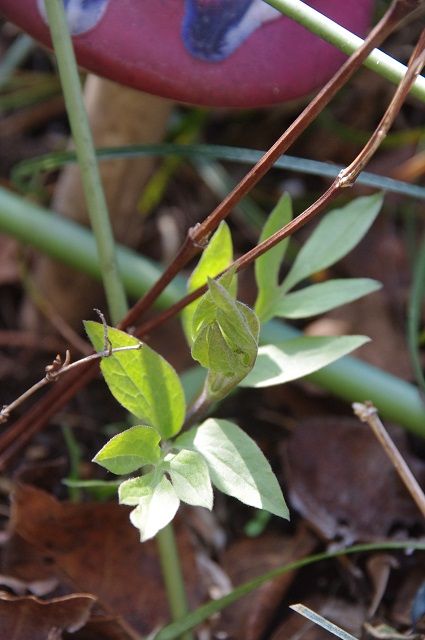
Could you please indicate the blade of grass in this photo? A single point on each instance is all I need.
(28, 169)
(14, 56)
(321, 621)
(198, 616)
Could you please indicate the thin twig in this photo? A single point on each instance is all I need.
(346, 178)
(57, 369)
(23, 429)
(198, 235)
(368, 413)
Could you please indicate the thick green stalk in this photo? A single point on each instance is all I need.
(173, 577)
(346, 41)
(349, 378)
(75, 246)
(95, 198)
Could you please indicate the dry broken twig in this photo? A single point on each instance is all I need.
(366, 412)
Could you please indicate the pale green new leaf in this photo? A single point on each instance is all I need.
(142, 381)
(155, 510)
(298, 357)
(205, 312)
(226, 339)
(337, 233)
(216, 257)
(268, 265)
(236, 464)
(130, 450)
(132, 491)
(321, 297)
(238, 323)
(190, 478)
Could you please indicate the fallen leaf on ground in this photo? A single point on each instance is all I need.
(27, 617)
(342, 482)
(92, 547)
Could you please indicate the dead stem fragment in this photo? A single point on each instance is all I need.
(368, 413)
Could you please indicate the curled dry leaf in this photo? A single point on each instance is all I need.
(27, 617)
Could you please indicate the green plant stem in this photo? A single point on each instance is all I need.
(414, 315)
(173, 576)
(13, 57)
(332, 32)
(95, 198)
(99, 218)
(349, 378)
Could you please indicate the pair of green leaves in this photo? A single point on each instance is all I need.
(335, 235)
(184, 469)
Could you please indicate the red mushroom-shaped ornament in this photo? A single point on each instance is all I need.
(238, 53)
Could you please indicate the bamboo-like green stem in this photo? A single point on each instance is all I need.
(95, 198)
(332, 32)
(349, 378)
(173, 577)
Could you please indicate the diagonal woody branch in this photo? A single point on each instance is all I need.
(346, 178)
(198, 236)
(33, 421)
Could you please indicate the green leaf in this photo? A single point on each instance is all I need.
(292, 359)
(205, 313)
(226, 339)
(216, 257)
(318, 298)
(337, 233)
(130, 450)
(156, 501)
(142, 381)
(190, 478)
(131, 491)
(268, 265)
(236, 464)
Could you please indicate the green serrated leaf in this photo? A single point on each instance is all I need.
(155, 509)
(268, 265)
(191, 479)
(337, 233)
(236, 464)
(130, 450)
(298, 357)
(142, 381)
(322, 297)
(216, 257)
